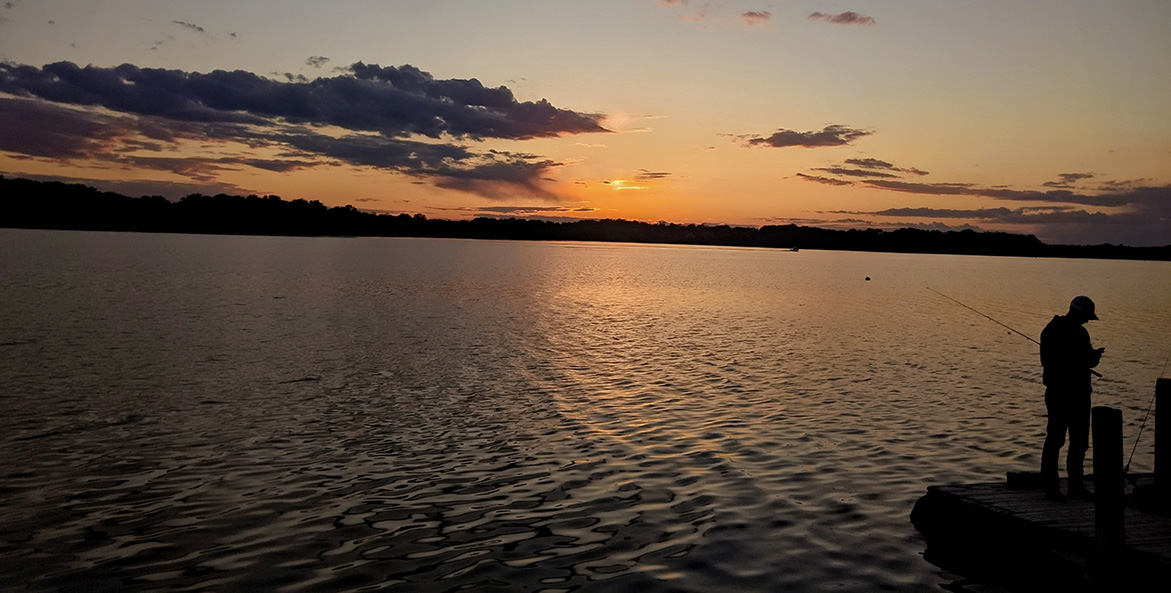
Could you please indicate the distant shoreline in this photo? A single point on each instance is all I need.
(55, 205)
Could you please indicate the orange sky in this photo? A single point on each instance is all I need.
(1051, 118)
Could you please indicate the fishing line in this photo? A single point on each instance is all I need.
(1126, 469)
(1144, 423)
(1029, 338)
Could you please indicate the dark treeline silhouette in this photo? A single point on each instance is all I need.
(53, 205)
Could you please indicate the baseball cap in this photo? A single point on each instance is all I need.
(1083, 304)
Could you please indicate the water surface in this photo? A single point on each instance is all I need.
(317, 414)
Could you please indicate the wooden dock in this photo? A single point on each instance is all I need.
(1017, 534)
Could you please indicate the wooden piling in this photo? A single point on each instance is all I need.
(1108, 480)
(1109, 485)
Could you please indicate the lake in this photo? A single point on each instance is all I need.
(186, 412)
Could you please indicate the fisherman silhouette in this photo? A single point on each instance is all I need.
(1067, 357)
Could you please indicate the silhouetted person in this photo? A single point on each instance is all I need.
(1067, 357)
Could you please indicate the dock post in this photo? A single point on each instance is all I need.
(1163, 444)
(1109, 531)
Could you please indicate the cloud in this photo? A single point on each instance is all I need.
(396, 119)
(883, 166)
(545, 213)
(753, 18)
(697, 16)
(317, 61)
(824, 180)
(39, 130)
(845, 18)
(1142, 215)
(1123, 185)
(716, 11)
(391, 101)
(1135, 211)
(190, 26)
(847, 172)
(1067, 180)
(832, 135)
(1015, 215)
(523, 209)
(1001, 193)
(645, 175)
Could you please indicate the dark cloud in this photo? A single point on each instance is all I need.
(391, 101)
(847, 172)
(466, 108)
(1000, 193)
(377, 109)
(499, 176)
(317, 61)
(1123, 185)
(190, 26)
(207, 169)
(1141, 217)
(824, 180)
(832, 135)
(645, 175)
(1067, 180)
(1136, 214)
(756, 17)
(280, 166)
(38, 130)
(845, 18)
(883, 166)
(1015, 215)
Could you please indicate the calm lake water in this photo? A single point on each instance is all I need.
(185, 413)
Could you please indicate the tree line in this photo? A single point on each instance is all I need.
(54, 205)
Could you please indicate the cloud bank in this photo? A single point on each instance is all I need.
(399, 119)
(1128, 212)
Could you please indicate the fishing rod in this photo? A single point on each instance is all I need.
(1027, 337)
(1126, 469)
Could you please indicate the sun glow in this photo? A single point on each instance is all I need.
(623, 184)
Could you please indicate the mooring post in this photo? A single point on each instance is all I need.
(1109, 532)
(1163, 444)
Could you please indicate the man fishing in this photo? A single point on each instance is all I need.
(1067, 357)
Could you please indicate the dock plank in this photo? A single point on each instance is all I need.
(1018, 521)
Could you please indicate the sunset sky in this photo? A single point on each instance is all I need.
(1043, 117)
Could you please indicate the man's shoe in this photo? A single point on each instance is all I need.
(1081, 493)
(1055, 495)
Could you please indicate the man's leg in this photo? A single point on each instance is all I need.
(1079, 442)
(1054, 439)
